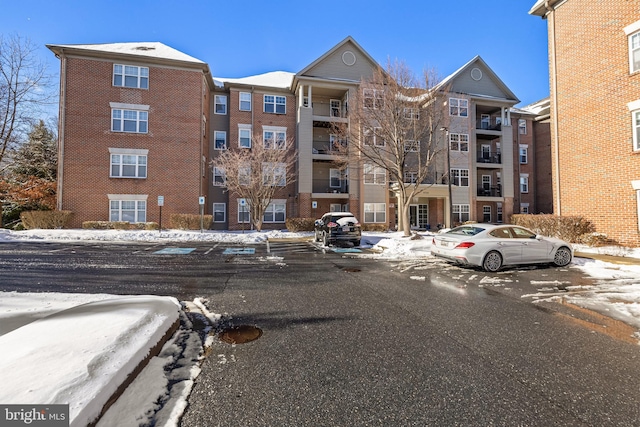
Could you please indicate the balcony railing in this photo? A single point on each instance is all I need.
(489, 157)
(493, 191)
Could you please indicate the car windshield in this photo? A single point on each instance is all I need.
(466, 230)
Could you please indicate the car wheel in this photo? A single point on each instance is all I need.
(562, 257)
(325, 239)
(316, 238)
(492, 261)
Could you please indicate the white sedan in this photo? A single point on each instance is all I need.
(493, 246)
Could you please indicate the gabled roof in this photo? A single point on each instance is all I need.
(148, 50)
(346, 72)
(474, 86)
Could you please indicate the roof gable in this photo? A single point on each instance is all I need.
(476, 78)
(346, 61)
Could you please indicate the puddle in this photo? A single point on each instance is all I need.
(351, 269)
(603, 324)
(240, 334)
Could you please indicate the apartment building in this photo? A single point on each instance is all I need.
(142, 120)
(595, 112)
(132, 131)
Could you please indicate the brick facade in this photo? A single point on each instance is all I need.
(592, 126)
(174, 139)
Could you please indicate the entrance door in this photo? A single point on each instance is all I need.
(419, 216)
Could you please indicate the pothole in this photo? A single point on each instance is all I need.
(240, 334)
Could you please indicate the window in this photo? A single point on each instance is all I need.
(524, 208)
(128, 165)
(244, 175)
(411, 146)
(458, 107)
(133, 121)
(220, 138)
(335, 108)
(524, 183)
(374, 174)
(219, 176)
(460, 177)
(372, 137)
(460, 213)
(131, 76)
(275, 104)
(411, 113)
(522, 126)
(274, 174)
(634, 52)
(243, 211)
(128, 210)
(636, 130)
(220, 102)
(499, 212)
(375, 212)
(335, 207)
(486, 182)
(244, 136)
(524, 154)
(219, 212)
(335, 143)
(274, 138)
(275, 212)
(335, 178)
(245, 101)
(373, 98)
(459, 141)
(411, 177)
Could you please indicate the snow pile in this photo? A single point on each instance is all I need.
(116, 335)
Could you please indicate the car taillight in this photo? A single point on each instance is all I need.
(332, 224)
(465, 245)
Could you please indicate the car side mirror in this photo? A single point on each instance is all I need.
(538, 237)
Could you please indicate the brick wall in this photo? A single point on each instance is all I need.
(173, 140)
(597, 163)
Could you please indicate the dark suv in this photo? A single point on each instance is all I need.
(338, 227)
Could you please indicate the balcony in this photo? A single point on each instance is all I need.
(488, 156)
(489, 191)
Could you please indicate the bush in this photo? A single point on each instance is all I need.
(569, 228)
(45, 219)
(300, 224)
(119, 225)
(190, 221)
(375, 227)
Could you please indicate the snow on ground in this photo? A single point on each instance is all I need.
(119, 331)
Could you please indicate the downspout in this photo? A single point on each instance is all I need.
(61, 123)
(554, 120)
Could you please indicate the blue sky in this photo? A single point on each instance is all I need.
(240, 38)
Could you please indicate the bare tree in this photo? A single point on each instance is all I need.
(258, 173)
(395, 121)
(24, 90)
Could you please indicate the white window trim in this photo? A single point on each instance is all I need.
(224, 211)
(128, 152)
(216, 103)
(139, 76)
(634, 107)
(221, 173)
(524, 147)
(128, 198)
(215, 139)
(242, 127)
(275, 104)
(271, 205)
(376, 212)
(240, 101)
(526, 177)
(275, 130)
(133, 108)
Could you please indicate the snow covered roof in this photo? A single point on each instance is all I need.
(155, 50)
(277, 79)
